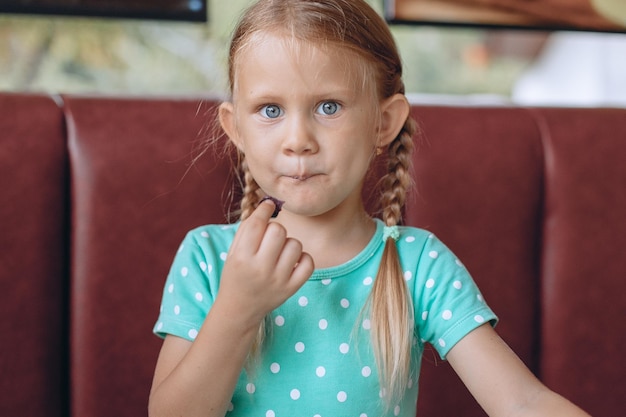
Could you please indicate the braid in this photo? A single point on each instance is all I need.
(250, 197)
(390, 304)
(396, 183)
(249, 201)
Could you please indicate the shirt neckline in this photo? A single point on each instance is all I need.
(362, 257)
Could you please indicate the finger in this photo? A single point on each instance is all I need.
(265, 209)
(290, 255)
(301, 272)
(273, 242)
(252, 230)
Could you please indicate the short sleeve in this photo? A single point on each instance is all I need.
(189, 288)
(448, 304)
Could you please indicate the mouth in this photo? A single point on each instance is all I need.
(300, 177)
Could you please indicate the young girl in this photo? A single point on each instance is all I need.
(323, 310)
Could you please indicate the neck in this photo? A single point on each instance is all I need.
(333, 238)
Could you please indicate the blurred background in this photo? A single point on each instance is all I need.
(122, 56)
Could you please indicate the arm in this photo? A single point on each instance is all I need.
(262, 270)
(500, 381)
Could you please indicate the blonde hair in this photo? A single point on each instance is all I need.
(351, 24)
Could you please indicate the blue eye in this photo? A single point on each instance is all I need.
(271, 111)
(328, 108)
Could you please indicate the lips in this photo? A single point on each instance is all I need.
(300, 177)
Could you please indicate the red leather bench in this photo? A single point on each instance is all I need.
(97, 193)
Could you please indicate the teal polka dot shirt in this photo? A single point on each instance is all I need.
(318, 360)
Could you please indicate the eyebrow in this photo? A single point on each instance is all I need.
(330, 93)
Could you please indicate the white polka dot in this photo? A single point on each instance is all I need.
(424, 315)
(294, 394)
(458, 262)
(479, 319)
(270, 413)
(323, 324)
(177, 310)
(442, 342)
(326, 281)
(223, 256)
(382, 393)
(275, 368)
(408, 275)
(368, 281)
(193, 333)
(231, 406)
(342, 396)
(396, 411)
(430, 236)
(299, 347)
(457, 285)
(446, 315)
(345, 303)
(203, 266)
(433, 254)
(210, 267)
(410, 384)
(303, 301)
(410, 239)
(367, 324)
(317, 415)
(181, 247)
(184, 271)
(480, 298)
(430, 283)
(170, 289)
(159, 326)
(363, 415)
(279, 320)
(204, 234)
(199, 296)
(320, 371)
(366, 371)
(344, 348)
(250, 388)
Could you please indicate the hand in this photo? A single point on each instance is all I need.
(263, 267)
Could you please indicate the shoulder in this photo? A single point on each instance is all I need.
(211, 234)
(424, 255)
(415, 239)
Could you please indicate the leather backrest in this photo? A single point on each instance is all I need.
(135, 193)
(33, 269)
(584, 257)
(478, 174)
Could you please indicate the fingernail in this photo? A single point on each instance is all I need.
(278, 204)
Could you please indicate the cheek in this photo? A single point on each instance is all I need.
(259, 157)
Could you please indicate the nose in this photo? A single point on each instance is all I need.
(300, 136)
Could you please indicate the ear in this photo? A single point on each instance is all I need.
(226, 114)
(394, 112)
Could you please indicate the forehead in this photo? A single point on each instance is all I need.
(295, 54)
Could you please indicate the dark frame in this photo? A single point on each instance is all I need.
(175, 10)
(548, 15)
